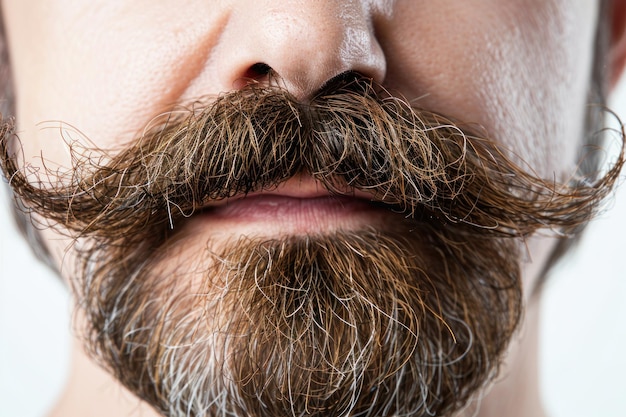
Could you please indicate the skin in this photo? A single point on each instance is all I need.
(519, 68)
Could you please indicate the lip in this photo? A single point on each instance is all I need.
(298, 206)
(305, 187)
(280, 214)
(271, 206)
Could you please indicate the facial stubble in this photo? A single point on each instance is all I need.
(412, 319)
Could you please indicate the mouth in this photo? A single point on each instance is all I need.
(298, 206)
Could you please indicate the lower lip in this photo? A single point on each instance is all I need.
(297, 215)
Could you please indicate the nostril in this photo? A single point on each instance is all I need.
(259, 70)
(346, 78)
(255, 74)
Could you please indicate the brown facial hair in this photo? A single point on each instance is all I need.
(407, 320)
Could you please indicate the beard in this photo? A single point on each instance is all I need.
(407, 319)
(351, 323)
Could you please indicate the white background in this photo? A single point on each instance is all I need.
(583, 332)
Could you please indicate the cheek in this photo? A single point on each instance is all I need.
(537, 89)
(103, 69)
(520, 69)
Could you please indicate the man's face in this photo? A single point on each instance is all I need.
(293, 297)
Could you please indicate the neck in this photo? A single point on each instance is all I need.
(93, 392)
(516, 392)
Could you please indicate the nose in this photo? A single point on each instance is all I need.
(301, 43)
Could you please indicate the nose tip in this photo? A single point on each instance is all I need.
(300, 45)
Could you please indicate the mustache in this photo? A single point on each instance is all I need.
(352, 135)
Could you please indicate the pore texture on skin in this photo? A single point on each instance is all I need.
(407, 319)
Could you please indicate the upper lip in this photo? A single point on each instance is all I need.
(300, 187)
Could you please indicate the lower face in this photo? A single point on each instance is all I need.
(292, 299)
